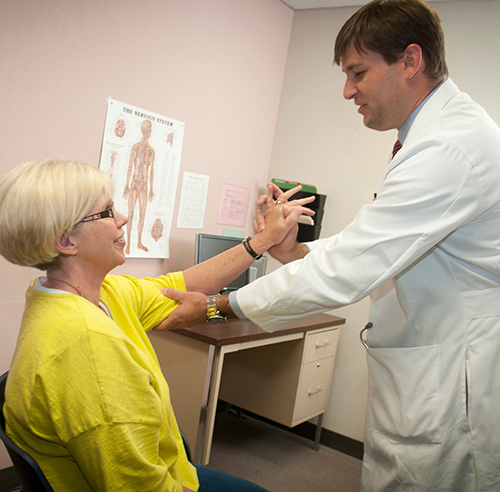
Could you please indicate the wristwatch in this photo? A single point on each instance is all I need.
(213, 314)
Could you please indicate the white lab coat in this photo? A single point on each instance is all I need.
(428, 250)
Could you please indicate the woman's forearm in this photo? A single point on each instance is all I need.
(214, 274)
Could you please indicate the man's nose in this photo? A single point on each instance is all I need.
(349, 90)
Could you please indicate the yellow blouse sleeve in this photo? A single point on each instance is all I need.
(142, 297)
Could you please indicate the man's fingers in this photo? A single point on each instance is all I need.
(261, 200)
(260, 221)
(270, 196)
(174, 294)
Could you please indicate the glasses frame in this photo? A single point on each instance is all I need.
(100, 215)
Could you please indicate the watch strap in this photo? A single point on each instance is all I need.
(213, 314)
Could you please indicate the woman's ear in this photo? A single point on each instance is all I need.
(65, 246)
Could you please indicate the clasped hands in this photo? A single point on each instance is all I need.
(278, 222)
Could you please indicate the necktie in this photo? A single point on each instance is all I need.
(396, 148)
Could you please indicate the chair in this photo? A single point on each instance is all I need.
(186, 446)
(30, 474)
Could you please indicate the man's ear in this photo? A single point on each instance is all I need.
(65, 246)
(413, 59)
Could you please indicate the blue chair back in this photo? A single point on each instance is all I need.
(30, 474)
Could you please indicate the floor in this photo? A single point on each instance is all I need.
(278, 460)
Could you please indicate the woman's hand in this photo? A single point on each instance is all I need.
(288, 249)
(281, 215)
(191, 310)
(217, 272)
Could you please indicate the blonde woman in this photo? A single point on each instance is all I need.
(85, 395)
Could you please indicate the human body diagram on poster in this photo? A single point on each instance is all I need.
(141, 152)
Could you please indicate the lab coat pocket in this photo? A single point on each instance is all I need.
(404, 393)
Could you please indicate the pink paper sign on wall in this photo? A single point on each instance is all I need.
(233, 205)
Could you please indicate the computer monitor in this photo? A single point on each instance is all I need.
(208, 245)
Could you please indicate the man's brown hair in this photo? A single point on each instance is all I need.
(388, 27)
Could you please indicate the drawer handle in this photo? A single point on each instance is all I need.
(321, 345)
(315, 392)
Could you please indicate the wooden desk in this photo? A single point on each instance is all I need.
(205, 360)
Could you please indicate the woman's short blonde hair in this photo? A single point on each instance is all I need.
(40, 201)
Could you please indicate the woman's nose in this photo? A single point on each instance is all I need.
(121, 219)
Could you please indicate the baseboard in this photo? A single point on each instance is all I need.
(8, 479)
(330, 439)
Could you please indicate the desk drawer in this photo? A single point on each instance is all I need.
(321, 345)
(314, 387)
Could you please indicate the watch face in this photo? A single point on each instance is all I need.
(217, 319)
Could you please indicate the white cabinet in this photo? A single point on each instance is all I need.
(287, 382)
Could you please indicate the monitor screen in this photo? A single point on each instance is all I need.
(208, 246)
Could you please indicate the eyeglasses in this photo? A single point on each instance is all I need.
(100, 215)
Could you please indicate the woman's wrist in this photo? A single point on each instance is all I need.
(250, 250)
(256, 246)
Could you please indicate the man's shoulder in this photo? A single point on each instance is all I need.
(453, 115)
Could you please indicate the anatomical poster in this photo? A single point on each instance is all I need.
(141, 151)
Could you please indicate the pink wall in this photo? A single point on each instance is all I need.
(215, 65)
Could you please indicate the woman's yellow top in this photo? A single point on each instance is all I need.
(86, 396)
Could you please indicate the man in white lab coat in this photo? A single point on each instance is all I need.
(427, 250)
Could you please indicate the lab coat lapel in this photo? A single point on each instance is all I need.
(429, 111)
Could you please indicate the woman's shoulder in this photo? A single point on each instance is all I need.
(127, 284)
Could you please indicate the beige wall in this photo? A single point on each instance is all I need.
(215, 65)
(320, 139)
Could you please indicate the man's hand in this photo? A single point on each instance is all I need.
(191, 310)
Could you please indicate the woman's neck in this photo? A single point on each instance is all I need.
(82, 285)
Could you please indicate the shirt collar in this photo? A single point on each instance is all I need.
(38, 285)
(405, 127)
